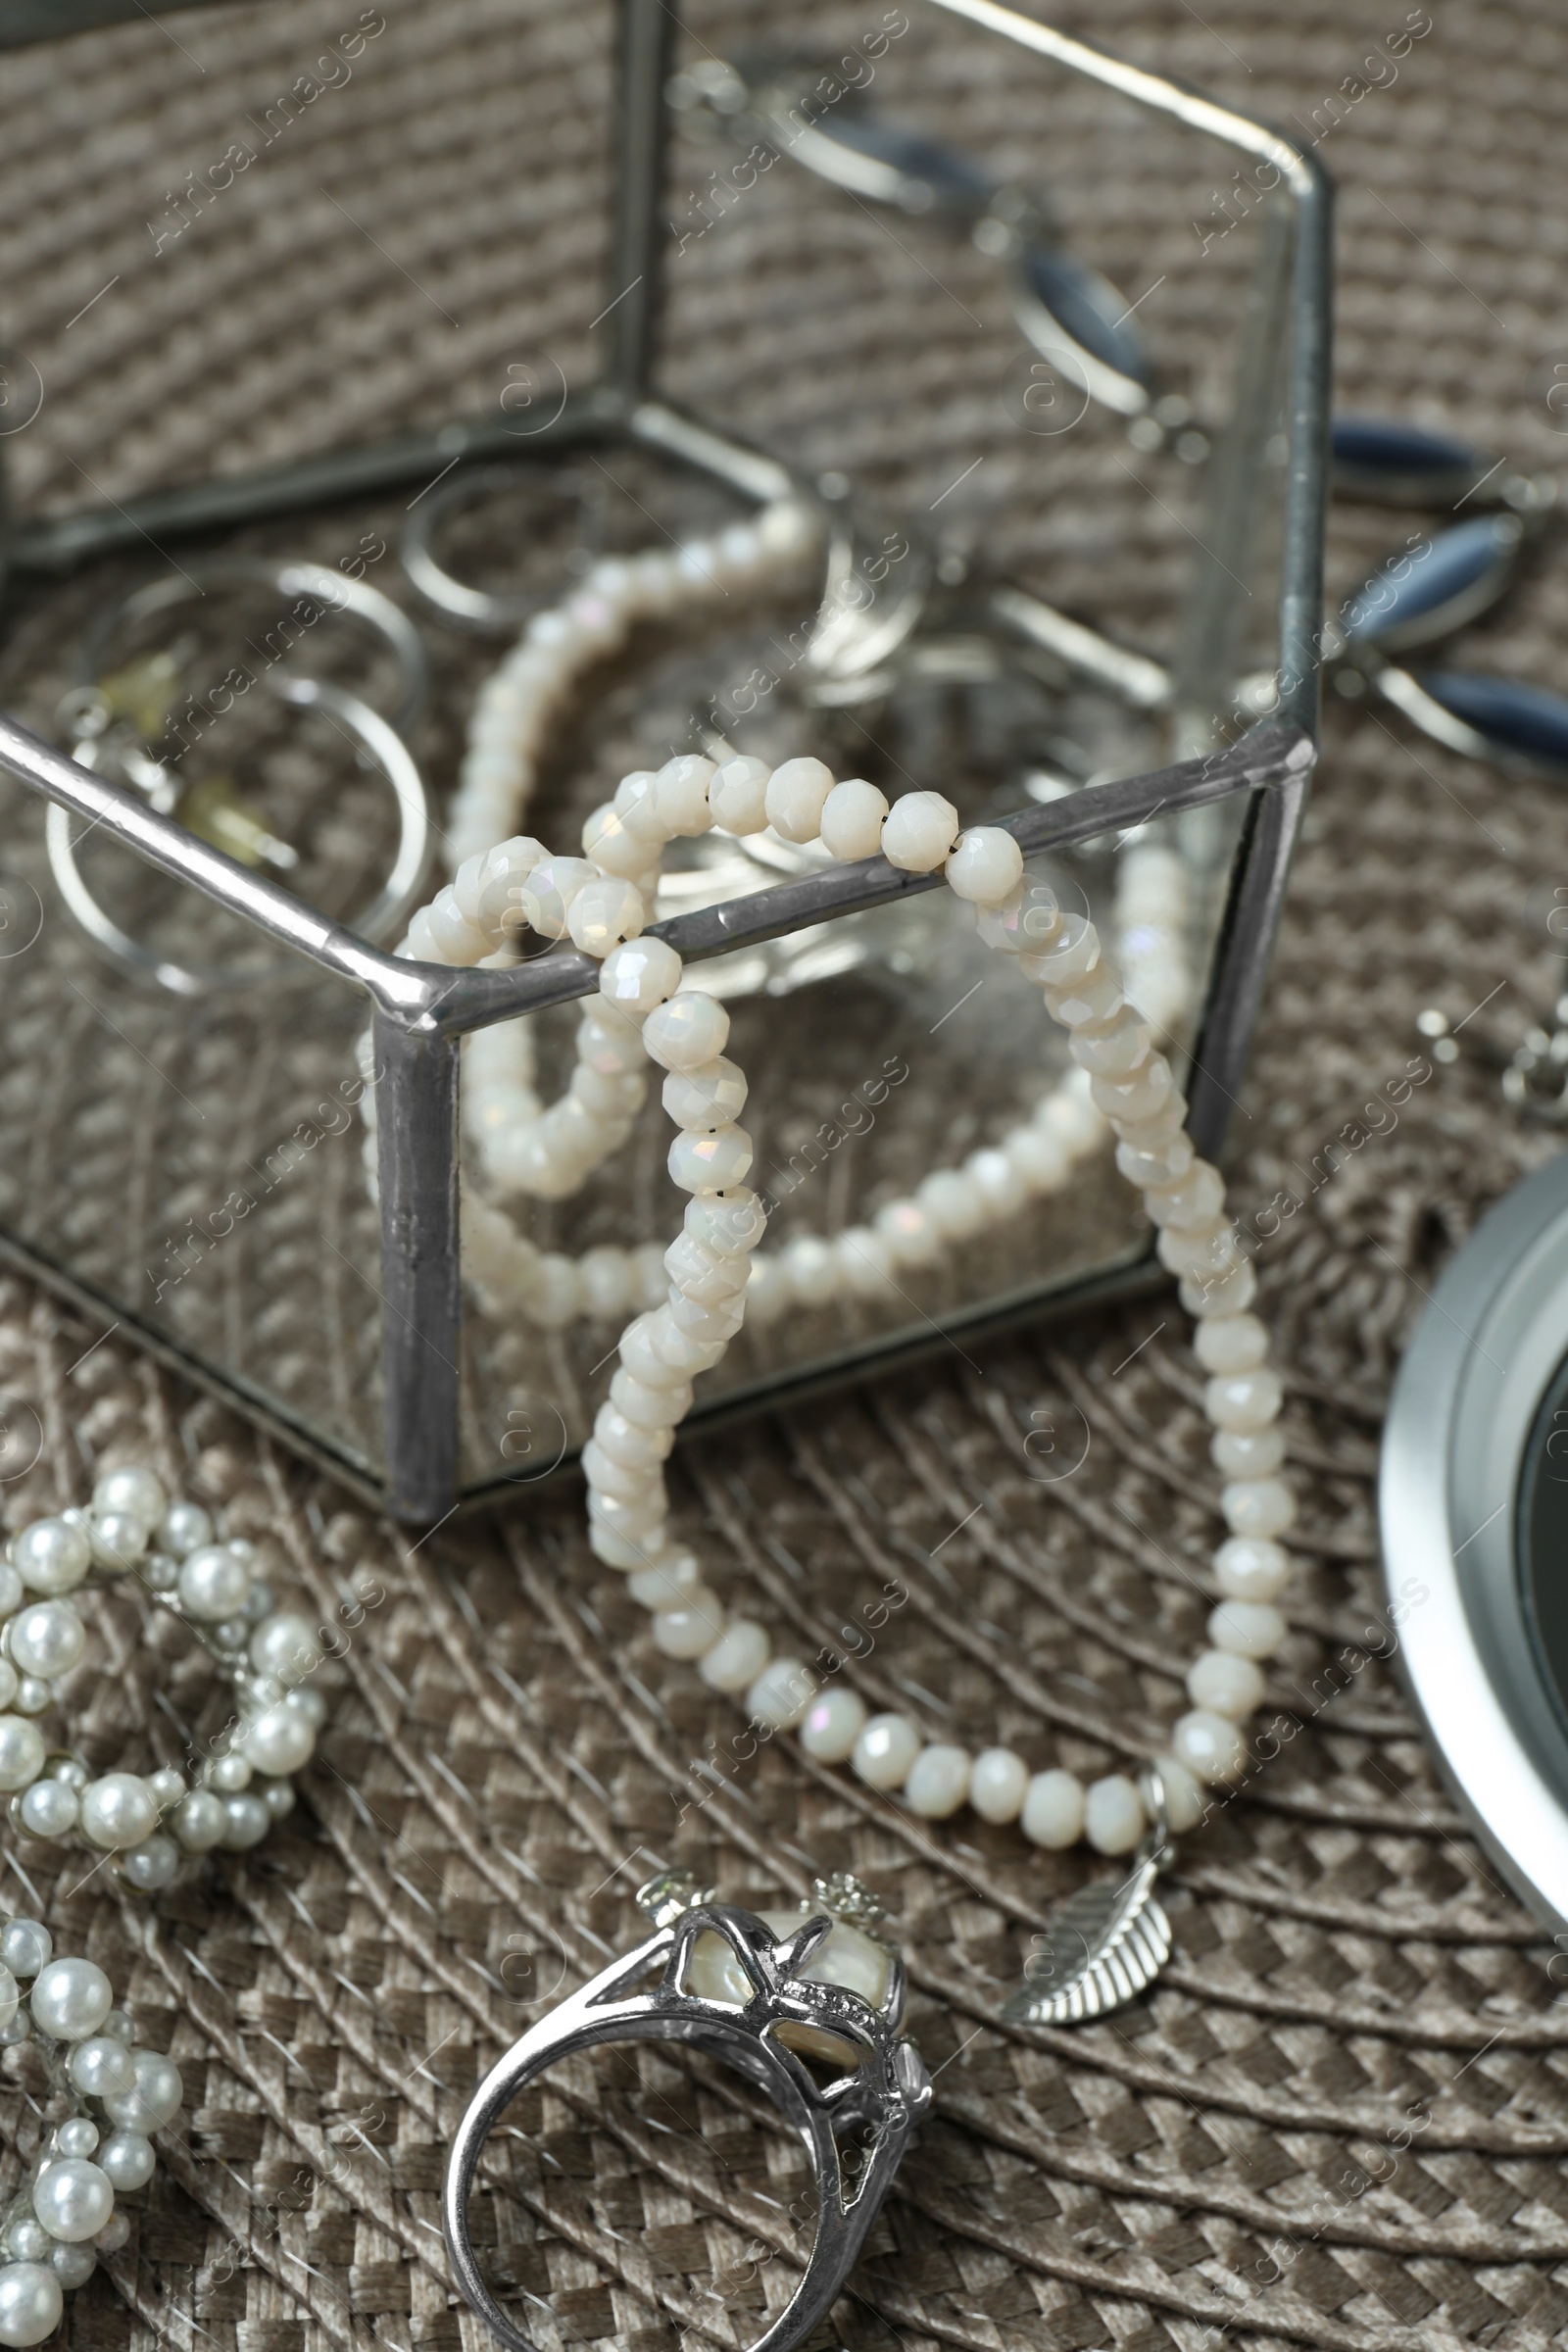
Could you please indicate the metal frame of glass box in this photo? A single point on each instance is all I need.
(422, 1012)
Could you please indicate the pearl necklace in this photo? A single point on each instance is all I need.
(596, 902)
(549, 1153)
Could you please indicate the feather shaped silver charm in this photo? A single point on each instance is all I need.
(1105, 1945)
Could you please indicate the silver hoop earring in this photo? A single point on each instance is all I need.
(481, 610)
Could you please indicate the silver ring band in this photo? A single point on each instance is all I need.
(885, 2085)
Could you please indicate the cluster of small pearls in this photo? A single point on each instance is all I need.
(65, 2217)
(1130, 1086)
(147, 1822)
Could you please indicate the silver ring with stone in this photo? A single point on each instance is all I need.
(762, 1992)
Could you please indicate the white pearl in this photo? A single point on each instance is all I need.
(937, 1780)
(711, 1096)
(1248, 1629)
(642, 974)
(213, 1584)
(1244, 1399)
(279, 1797)
(184, 1527)
(1053, 1809)
(21, 1751)
(228, 1774)
(1229, 1344)
(126, 2159)
(797, 794)
(10, 1588)
(156, 2100)
(1222, 1685)
(691, 1631)
(909, 1233)
(737, 1657)
(25, 1945)
(781, 1693)
(1257, 1507)
(737, 795)
(999, 1783)
(77, 2137)
(1212, 1749)
(113, 2236)
(120, 1810)
(10, 1995)
(73, 2200)
(51, 1555)
(31, 2303)
(70, 1999)
(680, 796)
(1246, 1453)
(10, 1682)
(686, 1033)
(47, 1640)
(138, 1490)
(48, 1809)
(198, 1821)
(1251, 1568)
(152, 1865)
(886, 1749)
(73, 2266)
(101, 2066)
(710, 1163)
(986, 866)
(603, 913)
(832, 1724)
(920, 832)
(33, 1694)
(246, 1822)
(852, 820)
(1185, 1801)
(1113, 1814)
(285, 1645)
(278, 1742)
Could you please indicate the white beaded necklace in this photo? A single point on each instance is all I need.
(522, 1147)
(596, 902)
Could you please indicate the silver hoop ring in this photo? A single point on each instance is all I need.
(395, 899)
(885, 2086)
(478, 608)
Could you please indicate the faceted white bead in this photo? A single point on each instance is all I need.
(1211, 1747)
(639, 975)
(1185, 1801)
(676, 1349)
(213, 1584)
(548, 892)
(738, 796)
(1231, 1344)
(953, 1203)
(52, 1556)
(710, 1163)
(690, 1030)
(609, 843)
(1026, 922)
(611, 1043)
(21, 1751)
(867, 1261)
(30, 2302)
(636, 804)
(680, 796)
(156, 2100)
(1244, 1399)
(1257, 1507)
(797, 794)
(1039, 1158)
(1246, 1453)
(1195, 1199)
(135, 1489)
(920, 832)
(813, 1267)
(852, 815)
(909, 1233)
(885, 1752)
(1135, 1097)
(632, 1442)
(607, 1278)
(660, 1588)
(1248, 1629)
(1223, 1685)
(707, 1325)
(1155, 1155)
(455, 939)
(70, 1999)
(1250, 1568)
(1070, 955)
(1112, 1049)
(832, 1724)
(1113, 1814)
(999, 1183)
(999, 1783)
(1053, 1809)
(708, 1097)
(710, 1277)
(689, 1633)
(118, 1811)
(737, 1657)
(1226, 1292)
(47, 1638)
(1089, 1002)
(986, 866)
(604, 914)
(937, 1780)
(781, 1693)
(636, 1523)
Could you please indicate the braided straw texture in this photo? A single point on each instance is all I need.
(1341, 2118)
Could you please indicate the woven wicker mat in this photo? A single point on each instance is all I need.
(1341, 2118)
